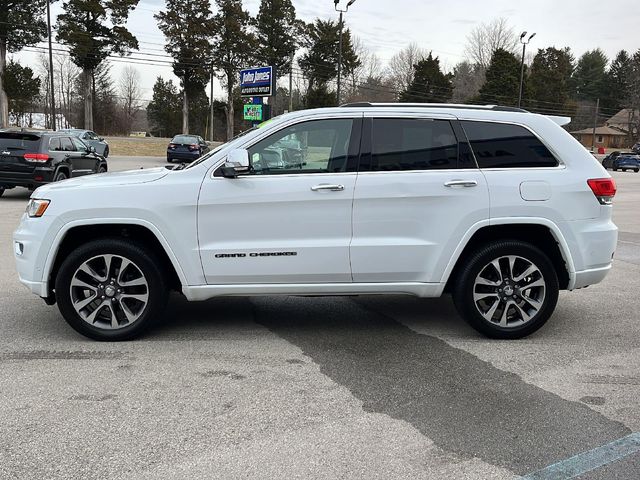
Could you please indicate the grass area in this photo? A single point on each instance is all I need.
(140, 147)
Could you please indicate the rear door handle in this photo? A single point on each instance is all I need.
(326, 186)
(461, 183)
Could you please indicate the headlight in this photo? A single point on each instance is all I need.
(37, 207)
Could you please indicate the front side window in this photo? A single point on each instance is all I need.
(502, 145)
(413, 144)
(80, 146)
(319, 146)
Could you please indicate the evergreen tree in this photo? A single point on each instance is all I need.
(590, 78)
(164, 112)
(22, 23)
(94, 30)
(276, 30)
(429, 84)
(233, 48)
(187, 26)
(550, 79)
(618, 80)
(22, 88)
(320, 62)
(319, 96)
(502, 80)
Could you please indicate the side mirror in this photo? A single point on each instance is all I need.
(91, 149)
(101, 139)
(237, 162)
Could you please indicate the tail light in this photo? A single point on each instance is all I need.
(604, 189)
(193, 147)
(172, 146)
(36, 157)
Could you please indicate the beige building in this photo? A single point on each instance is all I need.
(606, 137)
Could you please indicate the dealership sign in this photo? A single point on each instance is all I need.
(257, 82)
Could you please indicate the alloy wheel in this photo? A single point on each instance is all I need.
(109, 292)
(509, 291)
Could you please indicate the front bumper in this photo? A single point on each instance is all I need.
(31, 244)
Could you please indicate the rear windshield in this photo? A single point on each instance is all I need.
(184, 139)
(19, 141)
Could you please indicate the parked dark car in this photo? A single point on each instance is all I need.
(186, 148)
(30, 159)
(627, 162)
(607, 162)
(92, 139)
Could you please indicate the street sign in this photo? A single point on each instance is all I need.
(253, 112)
(257, 82)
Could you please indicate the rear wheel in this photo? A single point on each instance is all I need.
(1, 191)
(61, 175)
(507, 289)
(111, 290)
(102, 169)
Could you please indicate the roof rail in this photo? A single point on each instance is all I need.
(495, 108)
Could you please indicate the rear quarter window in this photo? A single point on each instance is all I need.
(503, 145)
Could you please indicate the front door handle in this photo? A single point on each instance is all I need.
(461, 183)
(326, 186)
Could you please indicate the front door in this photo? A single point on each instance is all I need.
(418, 193)
(289, 219)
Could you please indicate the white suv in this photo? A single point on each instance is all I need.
(500, 207)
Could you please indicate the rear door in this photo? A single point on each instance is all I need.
(13, 147)
(418, 192)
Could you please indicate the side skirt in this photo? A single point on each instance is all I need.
(204, 292)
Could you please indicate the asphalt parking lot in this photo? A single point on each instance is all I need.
(286, 387)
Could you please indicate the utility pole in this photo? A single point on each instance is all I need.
(595, 124)
(211, 107)
(335, 2)
(524, 47)
(53, 98)
(291, 84)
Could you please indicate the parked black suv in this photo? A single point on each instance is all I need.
(30, 159)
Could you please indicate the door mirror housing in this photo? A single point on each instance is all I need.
(237, 162)
(91, 149)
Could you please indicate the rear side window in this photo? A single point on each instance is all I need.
(501, 145)
(67, 146)
(413, 144)
(11, 141)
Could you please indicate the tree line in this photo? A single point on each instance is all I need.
(203, 44)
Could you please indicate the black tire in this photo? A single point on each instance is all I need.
(636, 170)
(143, 260)
(106, 152)
(614, 169)
(169, 160)
(1, 191)
(102, 169)
(60, 175)
(478, 262)
(624, 169)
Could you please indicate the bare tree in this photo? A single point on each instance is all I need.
(129, 96)
(467, 80)
(400, 68)
(66, 75)
(486, 38)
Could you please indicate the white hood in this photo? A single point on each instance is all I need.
(129, 177)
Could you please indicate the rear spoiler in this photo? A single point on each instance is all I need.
(562, 121)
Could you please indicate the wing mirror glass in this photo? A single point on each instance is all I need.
(237, 162)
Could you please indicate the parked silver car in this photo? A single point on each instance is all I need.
(92, 139)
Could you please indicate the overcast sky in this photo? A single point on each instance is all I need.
(386, 26)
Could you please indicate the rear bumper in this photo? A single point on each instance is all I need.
(187, 156)
(39, 176)
(585, 278)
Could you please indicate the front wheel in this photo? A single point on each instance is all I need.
(507, 289)
(111, 290)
